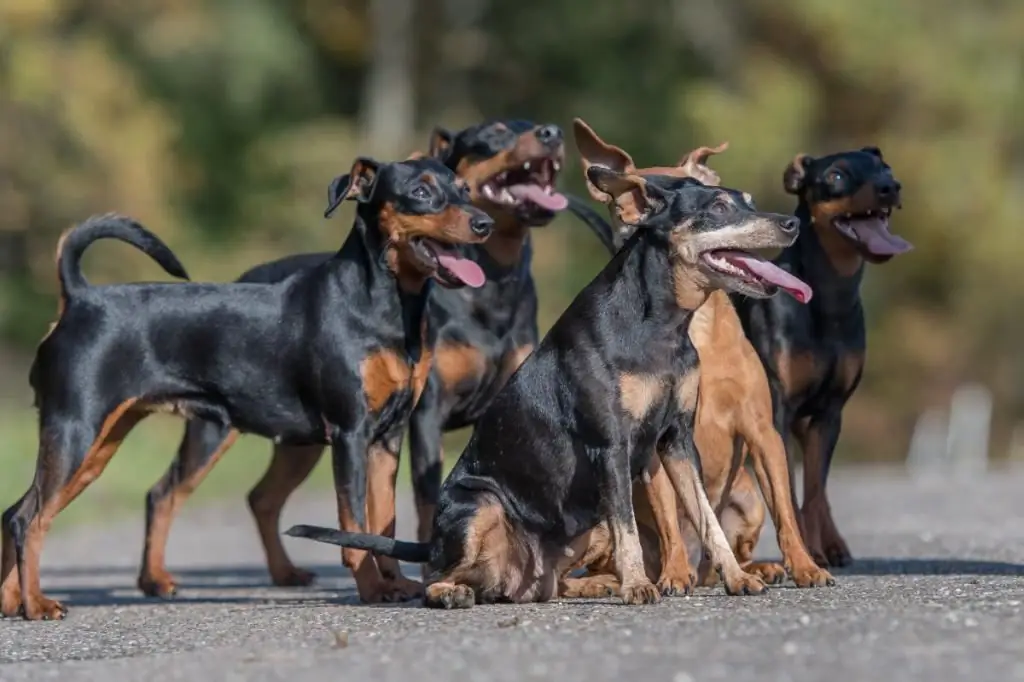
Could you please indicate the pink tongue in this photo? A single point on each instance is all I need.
(770, 272)
(874, 234)
(468, 272)
(536, 194)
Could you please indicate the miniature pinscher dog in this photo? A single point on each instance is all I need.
(814, 354)
(609, 395)
(735, 407)
(337, 354)
(510, 167)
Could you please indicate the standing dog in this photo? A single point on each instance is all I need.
(336, 354)
(510, 168)
(735, 406)
(610, 393)
(815, 353)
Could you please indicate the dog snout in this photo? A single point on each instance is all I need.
(481, 224)
(550, 135)
(888, 188)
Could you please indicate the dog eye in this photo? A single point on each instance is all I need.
(719, 207)
(834, 177)
(421, 192)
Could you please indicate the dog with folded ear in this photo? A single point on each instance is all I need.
(609, 396)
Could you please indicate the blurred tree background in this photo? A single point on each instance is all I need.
(219, 124)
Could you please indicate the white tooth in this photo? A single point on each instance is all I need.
(506, 197)
(488, 191)
(557, 166)
(549, 190)
(526, 166)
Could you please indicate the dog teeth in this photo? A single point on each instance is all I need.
(488, 191)
(557, 166)
(507, 197)
(549, 189)
(526, 166)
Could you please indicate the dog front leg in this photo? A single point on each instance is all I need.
(349, 460)
(682, 463)
(616, 491)
(676, 576)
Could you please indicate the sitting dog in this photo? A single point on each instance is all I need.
(735, 407)
(815, 354)
(609, 394)
(510, 168)
(336, 354)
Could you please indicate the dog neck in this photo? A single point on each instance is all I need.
(835, 295)
(403, 295)
(665, 290)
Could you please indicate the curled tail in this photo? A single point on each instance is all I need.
(594, 221)
(413, 552)
(75, 241)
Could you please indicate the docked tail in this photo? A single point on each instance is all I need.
(413, 552)
(594, 221)
(74, 242)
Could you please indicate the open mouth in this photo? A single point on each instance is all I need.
(754, 272)
(870, 231)
(447, 266)
(533, 183)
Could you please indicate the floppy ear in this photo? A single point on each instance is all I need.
(635, 201)
(871, 149)
(694, 164)
(796, 172)
(440, 143)
(357, 185)
(596, 152)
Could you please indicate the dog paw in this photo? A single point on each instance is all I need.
(293, 577)
(640, 593)
(44, 609)
(771, 573)
(402, 589)
(677, 586)
(161, 586)
(589, 587)
(837, 553)
(744, 584)
(812, 576)
(448, 596)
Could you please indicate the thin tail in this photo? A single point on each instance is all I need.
(594, 221)
(413, 552)
(75, 241)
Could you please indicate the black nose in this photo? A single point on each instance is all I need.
(790, 225)
(888, 188)
(549, 134)
(481, 224)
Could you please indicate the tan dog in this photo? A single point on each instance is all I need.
(735, 410)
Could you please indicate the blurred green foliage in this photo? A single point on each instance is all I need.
(219, 124)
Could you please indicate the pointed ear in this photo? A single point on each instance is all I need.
(634, 199)
(794, 179)
(357, 185)
(694, 164)
(440, 143)
(596, 152)
(871, 149)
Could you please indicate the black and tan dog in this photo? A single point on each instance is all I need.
(610, 393)
(510, 167)
(336, 354)
(735, 409)
(814, 354)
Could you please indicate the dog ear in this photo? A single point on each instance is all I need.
(357, 185)
(634, 199)
(596, 152)
(440, 143)
(871, 149)
(796, 173)
(694, 164)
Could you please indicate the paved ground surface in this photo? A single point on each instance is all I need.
(936, 595)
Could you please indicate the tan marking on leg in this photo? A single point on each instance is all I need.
(639, 392)
(590, 587)
(383, 373)
(10, 587)
(691, 491)
(289, 466)
(629, 563)
(112, 433)
(154, 579)
(383, 468)
(676, 575)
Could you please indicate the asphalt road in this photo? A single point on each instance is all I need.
(937, 594)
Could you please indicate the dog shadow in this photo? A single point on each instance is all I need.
(333, 586)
